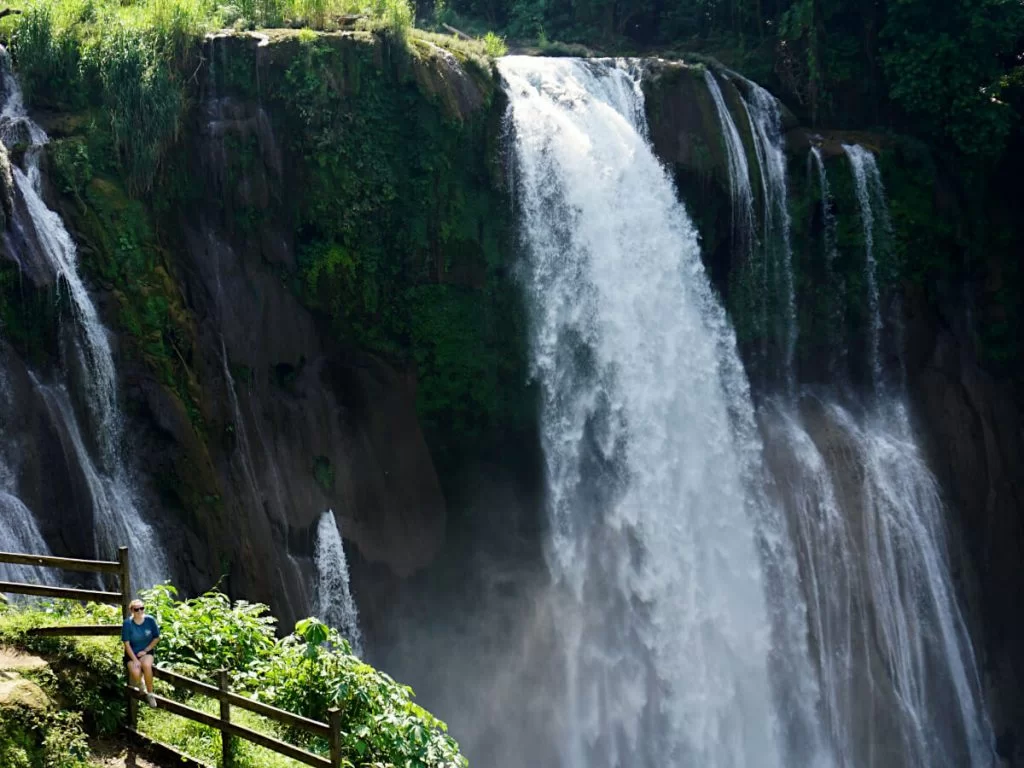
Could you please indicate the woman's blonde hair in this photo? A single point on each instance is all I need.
(136, 602)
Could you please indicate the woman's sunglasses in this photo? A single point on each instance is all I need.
(137, 609)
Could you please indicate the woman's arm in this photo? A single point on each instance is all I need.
(149, 648)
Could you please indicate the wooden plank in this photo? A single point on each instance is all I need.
(261, 739)
(243, 702)
(68, 594)
(64, 563)
(80, 630)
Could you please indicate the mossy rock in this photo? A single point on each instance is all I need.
(18, 693)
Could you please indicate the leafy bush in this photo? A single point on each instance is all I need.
(314, 670)
(42, 739)
(209, 633)
(495, 45)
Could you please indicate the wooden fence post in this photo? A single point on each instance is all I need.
(125, 576)
(133, 708)
(334, 721)
(226, 739)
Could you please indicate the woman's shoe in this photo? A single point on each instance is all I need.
(151, 699)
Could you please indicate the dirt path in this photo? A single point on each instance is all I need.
(13, 660)
(113, 753)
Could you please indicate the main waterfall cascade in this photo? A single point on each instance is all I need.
(718, 601)
(670, 638)
(87, 352)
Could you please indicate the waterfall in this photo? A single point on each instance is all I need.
(833, 282)
(650, 449)
(334, 602)
(19, 532)
(117, 520)
(739, 173)
(765, 118)
(871, 197)
(899, 682)
(828, 217)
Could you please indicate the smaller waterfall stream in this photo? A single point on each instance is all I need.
(834, 284)
(871, 197)
(739, 171)
(334, 602)
(899, 681)
(765, 119)
(20, 533)
(117, 520)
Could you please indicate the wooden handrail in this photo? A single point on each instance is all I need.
(275, 745)
(282, 716)
(81, 630)
(331, 731)
(64, 563)
(121, 568)
(38, 590)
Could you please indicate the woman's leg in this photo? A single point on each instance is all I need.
(134, 672)
(147, 670)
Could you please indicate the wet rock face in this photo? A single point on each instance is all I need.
(297, 423)
(976, 447)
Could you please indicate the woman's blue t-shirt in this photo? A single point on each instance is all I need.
(139, 635)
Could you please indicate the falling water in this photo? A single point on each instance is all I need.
(739, 173)
(868, 183)
(19, 532)
(334, 602)
(765, 119)
(649, 443)
(899, 682)
(117, 519)
(828, 217)
(834, 283)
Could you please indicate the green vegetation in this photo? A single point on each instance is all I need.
(41, 738)
(307, 673)
(403, 227)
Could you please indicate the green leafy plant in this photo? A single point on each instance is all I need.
(495, 45)
(210, 632)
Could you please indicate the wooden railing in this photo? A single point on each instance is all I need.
(331, 730)
(119, 568)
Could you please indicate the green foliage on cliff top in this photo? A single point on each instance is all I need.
(306, 673)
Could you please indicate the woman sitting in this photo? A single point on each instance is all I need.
(140, 635)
